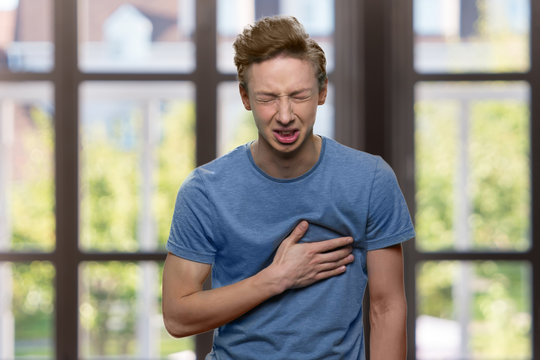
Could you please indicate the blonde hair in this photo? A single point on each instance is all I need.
(273, 36)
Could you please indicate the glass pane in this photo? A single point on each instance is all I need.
(136, 35)
(317, 16)
(473, 310)
(26, 309)
(236, 125)
(138, 145)
(471, 36)
(120, 313)
(27, 219)
(26, 32)
(472, 166)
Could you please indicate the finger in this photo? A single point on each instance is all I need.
(298, 232)
(323, 267)
(335, 255)
(329, 245)
(330, 273)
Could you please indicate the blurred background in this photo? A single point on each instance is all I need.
(107, 105)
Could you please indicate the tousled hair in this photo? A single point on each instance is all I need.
(278, 35)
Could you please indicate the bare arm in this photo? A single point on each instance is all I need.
(188, 309)
(388, 308)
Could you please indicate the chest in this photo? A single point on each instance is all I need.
(252, 221)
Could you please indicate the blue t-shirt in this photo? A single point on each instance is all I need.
(231, 214)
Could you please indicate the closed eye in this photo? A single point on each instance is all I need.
(265, 100)
(296, 97)
(299, 98)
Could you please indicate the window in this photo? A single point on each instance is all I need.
(98, 128)
(463, 133)
(447, 91)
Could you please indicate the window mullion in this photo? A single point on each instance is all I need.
(348, 76)
(398, 79)
(206, 82)
(66, 178)
(534, 78)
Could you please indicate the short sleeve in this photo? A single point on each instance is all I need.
(389, 221)
(191, 235)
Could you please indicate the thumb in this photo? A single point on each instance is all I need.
(298, 232)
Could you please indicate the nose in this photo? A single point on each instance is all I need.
(285, 111)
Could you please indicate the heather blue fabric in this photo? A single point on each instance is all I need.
(232, 215)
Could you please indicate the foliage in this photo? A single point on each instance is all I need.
(110, 221)
(500, 175)
(32, 190)
(500, 308)
(501, 322)
(498, 188)
(494, 138)
(112, 180)
(31, 209)
(108, 312)
(176, 158)
(33, 300)
(436, 134)
(434, 283)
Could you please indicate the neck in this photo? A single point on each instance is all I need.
(287, 166)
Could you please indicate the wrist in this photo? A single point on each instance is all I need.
(271, 281)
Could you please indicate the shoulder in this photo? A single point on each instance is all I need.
(351, 159)
(219, 174)
(225, 165)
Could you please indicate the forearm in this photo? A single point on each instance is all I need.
(188, 309)
(388, 337)
(208, 309)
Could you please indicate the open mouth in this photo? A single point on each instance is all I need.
(286, 136)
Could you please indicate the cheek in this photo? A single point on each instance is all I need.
(307, 113)
(262, 115)
(259, 123)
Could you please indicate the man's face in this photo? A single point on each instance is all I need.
(283, 94)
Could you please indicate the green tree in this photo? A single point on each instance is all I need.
(499, 197)
(32, 188)
(111, 183)
(31, 208)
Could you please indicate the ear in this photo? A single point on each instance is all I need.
(323, 92)
(245, 97)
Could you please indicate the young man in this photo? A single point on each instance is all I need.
(291, 226)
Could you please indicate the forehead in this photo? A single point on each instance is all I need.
(282, 73)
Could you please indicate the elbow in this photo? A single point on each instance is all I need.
(175, 328)
(396, 309)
